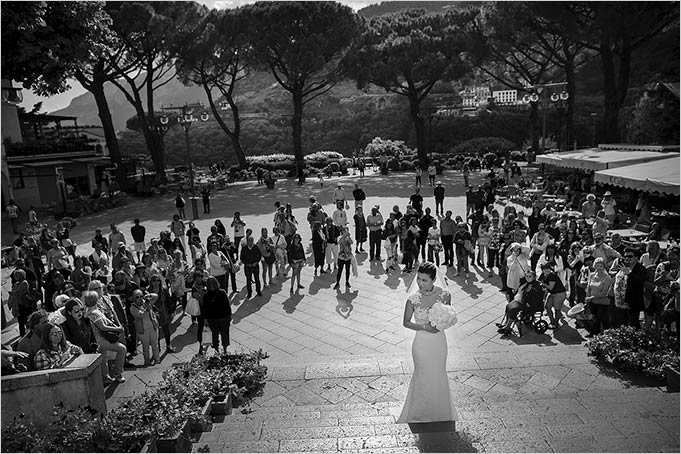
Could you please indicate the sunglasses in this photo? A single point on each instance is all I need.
(75, 311)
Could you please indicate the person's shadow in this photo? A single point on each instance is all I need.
(376, 269)
(344, 306)
(441, 437)
(291, 303)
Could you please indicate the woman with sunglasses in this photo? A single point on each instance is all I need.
(164, 309)
(55, 349)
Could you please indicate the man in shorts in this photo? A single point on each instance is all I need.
(138, 232)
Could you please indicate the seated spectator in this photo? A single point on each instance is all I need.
(33, 339)
(55, 350)
(529, 297)
(9, 366)
(655, 232)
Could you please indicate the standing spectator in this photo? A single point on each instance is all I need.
(280, 252)
(57, 257)
(502, 262)
(434, 244)
(19, 303)
(360, 167)
(447, 230)
(538, 244)
(339, 195)
(238, 225)
(628, 290)
(432, 171)
(470, 200)
(410, 246)
(466, 174)
(495, 241)
(375, 222)
(266, 246)
(221, 228)
(416, 200)
(608, 204)
(32, 216)
(250, 257)
(535, 220)
(344, 258)
(604, 251)
(217, 311)
(556, 294)
(425, 223)
(390, 237)
(177, 228)
(439, 193)
(146, 325)
(359, 196)
(115, 236)
(666, 277)
(13, 214)
(99, 238)
(218, 264)
(177, 273)
(360, 229)
(296, 258)
(589, 208)
(179, 204)
(464, 246)
(205, 195)
(164, 309)
(517, 265)
(331, 232)
(340, 217)
(197, 249)
(121, 255)
(484, 236)
(215, 237)
(417, 173)
(104, 322)
(598, 291)
(476, 220)
(319, 246)
(138, 232)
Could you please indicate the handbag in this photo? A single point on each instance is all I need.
(270, 259)
(34, 295)
(110, 336)
(193, 308)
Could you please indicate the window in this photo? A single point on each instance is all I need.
(17, 177)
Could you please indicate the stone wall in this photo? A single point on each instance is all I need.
(35, 393)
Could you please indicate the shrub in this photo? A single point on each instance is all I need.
(631, 349)
(481, 145)
(488, 158)
(517, 155)
(396, 148)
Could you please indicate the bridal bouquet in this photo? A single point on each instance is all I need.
(442, 316)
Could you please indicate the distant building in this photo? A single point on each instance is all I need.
(505, 97)
(44, 161)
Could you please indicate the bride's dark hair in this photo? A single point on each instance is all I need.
(429, 269)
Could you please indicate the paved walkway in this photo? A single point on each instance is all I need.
(340, 357)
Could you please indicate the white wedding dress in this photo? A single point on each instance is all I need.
(428, 398)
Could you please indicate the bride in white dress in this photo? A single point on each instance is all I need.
(428, 399)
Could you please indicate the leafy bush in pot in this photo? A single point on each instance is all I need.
(635, 350)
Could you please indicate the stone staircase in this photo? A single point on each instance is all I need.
(351, 406)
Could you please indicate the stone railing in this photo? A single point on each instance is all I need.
(35, 393)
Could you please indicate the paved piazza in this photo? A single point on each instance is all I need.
(340, 362)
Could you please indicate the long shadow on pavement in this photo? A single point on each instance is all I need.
(441, 437)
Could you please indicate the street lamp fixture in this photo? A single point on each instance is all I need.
(185, 118)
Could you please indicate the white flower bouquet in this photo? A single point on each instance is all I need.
(442, 316)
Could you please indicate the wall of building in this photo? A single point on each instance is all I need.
(10, 123)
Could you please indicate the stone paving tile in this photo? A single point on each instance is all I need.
(371, 420)
(249, 446)
(371, 442)
(310, 444)
(316, 432)
(535, 445)
(479, 383)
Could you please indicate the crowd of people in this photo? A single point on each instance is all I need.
(125, 295)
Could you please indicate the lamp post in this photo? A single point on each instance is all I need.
(186, 118)
(593, 129)
(535, 96)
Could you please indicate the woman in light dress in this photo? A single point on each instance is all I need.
(428, 398)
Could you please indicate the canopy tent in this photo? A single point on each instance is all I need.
(656, 176)
(600, 159)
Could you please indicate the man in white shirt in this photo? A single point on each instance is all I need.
(340, 217)
(375, 224)
(339, 195)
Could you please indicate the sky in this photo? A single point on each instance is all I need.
(64, 99)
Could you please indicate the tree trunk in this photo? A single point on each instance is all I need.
(233, 135)
(420, 126)
(297, 126)
(570, 79)
(534, 119)
(614, 90)
(96, 87)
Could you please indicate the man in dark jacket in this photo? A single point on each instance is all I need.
(439, 193)
(250, 257)
(635, 284)
(425, 224)
(359, 196)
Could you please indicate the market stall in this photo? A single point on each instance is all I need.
(601, 159)
(657, 176)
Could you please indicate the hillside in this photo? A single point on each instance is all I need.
(393, 7)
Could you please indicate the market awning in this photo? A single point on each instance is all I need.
(657, 176)
(599, 159)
